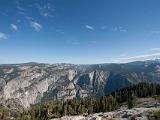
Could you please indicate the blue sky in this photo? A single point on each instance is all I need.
(79, 31)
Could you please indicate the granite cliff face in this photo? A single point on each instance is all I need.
(31, 83)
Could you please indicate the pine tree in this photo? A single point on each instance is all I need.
(132, 99)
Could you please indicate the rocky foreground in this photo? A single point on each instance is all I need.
(128, 114)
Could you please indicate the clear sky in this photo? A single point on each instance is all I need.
(79, 31)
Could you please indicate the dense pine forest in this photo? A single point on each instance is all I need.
(85, 106)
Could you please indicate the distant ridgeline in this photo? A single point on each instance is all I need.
(89, 105)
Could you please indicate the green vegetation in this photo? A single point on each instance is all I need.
(132, 100)
(54, 109)
(157, 97)
(4, 113)
(7, 113)
(155, 115)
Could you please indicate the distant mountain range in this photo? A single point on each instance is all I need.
(31, 83)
